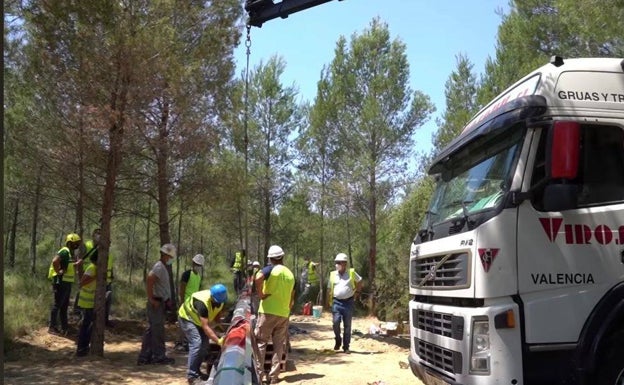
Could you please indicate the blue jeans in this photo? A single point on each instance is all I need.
(198, 346)
(342, 311)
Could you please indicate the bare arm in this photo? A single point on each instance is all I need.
(259, 282)
(86, 279)
(208, 330)
(56, 264)
(151, 279)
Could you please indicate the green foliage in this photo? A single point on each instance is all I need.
(460, 92)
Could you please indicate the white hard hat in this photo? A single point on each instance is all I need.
(275, 252)
(256, 263)
(198, 259)
(168, 249)
(341, 257)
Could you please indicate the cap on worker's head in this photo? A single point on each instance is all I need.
(168, 249)
(341, 257)
(198, 259)
(275, 252)
(256, 264)
(218, 292)
(72, 237)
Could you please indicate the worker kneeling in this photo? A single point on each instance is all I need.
(198, 315)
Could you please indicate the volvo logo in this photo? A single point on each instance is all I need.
(431, 276)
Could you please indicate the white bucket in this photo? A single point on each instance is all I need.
(316, 311)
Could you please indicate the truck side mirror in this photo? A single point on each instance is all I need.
(562, 165)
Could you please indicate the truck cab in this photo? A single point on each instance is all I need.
(517, 276)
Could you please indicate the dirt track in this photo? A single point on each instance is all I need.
(48, 359)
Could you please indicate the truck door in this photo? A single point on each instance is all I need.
(568, 259)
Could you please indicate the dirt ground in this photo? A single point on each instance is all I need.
(41, 358)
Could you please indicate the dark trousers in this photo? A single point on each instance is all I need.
(62, 292)
(84, 334)
(239, 281)
(153, 344)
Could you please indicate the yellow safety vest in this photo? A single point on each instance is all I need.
(280, 284)
(192, 286)
(189, 313)
(70, 273)
(312, 277)
(86, 298)
(109, 265)
(238, 262)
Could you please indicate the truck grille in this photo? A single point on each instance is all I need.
(441, 271)
(441, 324)
(440, 358)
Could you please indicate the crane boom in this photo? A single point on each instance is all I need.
(264, 10)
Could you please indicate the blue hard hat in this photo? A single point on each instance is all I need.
(218, 292)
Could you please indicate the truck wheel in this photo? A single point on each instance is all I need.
(611, 371)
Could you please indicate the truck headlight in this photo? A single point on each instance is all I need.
(480, 352)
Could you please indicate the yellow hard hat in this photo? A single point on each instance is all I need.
(72, 237)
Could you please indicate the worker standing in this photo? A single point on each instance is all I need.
(86, 303)
(311, 287)
(189, 284)
(198, 315)
(62, 273)
(91, 247)
(158, 299)
(344, 287)
(237, 272)
(275, 284)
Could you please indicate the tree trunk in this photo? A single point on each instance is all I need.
(162, 158)
(118, 103)
(372, 254)
(147, 240)
(13, 234)
(35, 221)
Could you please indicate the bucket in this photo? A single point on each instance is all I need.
(316, 311)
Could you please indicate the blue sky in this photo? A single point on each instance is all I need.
(434, 32)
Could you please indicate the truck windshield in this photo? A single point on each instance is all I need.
(476, 178)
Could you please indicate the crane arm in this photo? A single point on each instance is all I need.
(264, 10)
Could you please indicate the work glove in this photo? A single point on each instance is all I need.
(221, 340)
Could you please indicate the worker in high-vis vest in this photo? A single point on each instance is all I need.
(91, 247)
(62, 274)
(237, 272)
(311, 287)
(86, 303)
(275, 285)
(344, 286)
(197, 316)
(189, 284)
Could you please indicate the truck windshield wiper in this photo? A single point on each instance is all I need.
(427, 233)
(465, 213)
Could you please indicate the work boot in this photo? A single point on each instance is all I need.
(338, 343)
(164, 361)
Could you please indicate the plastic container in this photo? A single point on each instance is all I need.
(316, 311)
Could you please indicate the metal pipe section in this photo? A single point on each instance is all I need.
(237, 363)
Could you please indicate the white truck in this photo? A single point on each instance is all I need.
(517, 276)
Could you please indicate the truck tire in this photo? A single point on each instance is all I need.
(611, 371)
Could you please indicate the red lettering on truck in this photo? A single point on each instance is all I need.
(582, 234)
